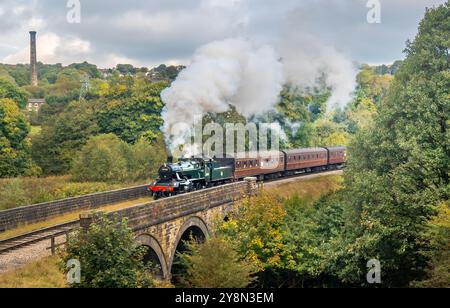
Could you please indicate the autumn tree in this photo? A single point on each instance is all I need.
(132, 109)
(216, 263)
(11, 91)
(399, 167)
(15, 159)
(257, 228)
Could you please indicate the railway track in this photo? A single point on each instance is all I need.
(27, 239)
(31, 238)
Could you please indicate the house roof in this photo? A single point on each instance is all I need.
(36, 100)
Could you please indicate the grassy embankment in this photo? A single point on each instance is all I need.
(45, 273)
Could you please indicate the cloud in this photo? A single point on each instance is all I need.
(149, 32)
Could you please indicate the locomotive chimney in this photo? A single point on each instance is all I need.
(33, 59)
(170, 159)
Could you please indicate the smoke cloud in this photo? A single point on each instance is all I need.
(306, 60)
(250, 77)
(232, 71)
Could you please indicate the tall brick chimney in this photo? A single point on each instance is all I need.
(33, 59)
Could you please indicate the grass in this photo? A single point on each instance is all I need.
(15, 192)
(309, 190)
(44, 273)
(67, 217)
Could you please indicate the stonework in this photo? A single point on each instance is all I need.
(160, 225)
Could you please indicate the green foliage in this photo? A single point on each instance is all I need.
(329, 133)
(107, 158)
(132, 109)
(21, 191)
(438, 230)
(12, 194)
(126, 69)
(109, 256)
(87, 68)
(297, 110)
(19, 73)
(102, 158)
(399, 167)
(59, 141)
(144, 159)
(11, 91)
(257, 228)
(15, 157)
(216, 264)
(163, 72)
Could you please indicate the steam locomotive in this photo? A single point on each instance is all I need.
(197, 173)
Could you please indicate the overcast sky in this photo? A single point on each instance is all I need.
(149, 32)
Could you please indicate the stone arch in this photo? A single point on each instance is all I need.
(155, 252)
(195, 224)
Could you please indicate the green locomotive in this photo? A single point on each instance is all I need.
(192, 174)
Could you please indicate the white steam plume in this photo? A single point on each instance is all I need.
(232, 71)
(250, 77)
(306, 60)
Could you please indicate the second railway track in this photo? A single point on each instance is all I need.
(30, 238)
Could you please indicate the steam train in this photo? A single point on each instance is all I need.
(197, 173)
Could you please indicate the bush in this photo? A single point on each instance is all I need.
(12, 194)
(145, 159)
(216, 264)
(16, 192)
(107, 158)
(109, 256)
(101, 159)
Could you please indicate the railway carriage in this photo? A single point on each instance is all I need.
(336, 156)
(261, 165)
(197, 173)
(306, 160)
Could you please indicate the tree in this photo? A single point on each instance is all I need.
(399, 167)
(126, 69)
(438, 254)
(102, 158)
(257, 228)
(329, 133)
(216, 263)
(134, 111)
(11, 91)
(145, 158)
(61, 139)
(15, 156)
(109, 256)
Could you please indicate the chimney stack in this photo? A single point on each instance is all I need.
(33, 59)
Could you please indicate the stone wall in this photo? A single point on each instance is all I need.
(34, 213)
(161, 224)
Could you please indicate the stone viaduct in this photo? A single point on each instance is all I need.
(165, 224)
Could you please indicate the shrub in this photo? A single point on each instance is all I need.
(107, 158)
(101, 159)
(12, 194)
(109, 256)
(216, 264)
